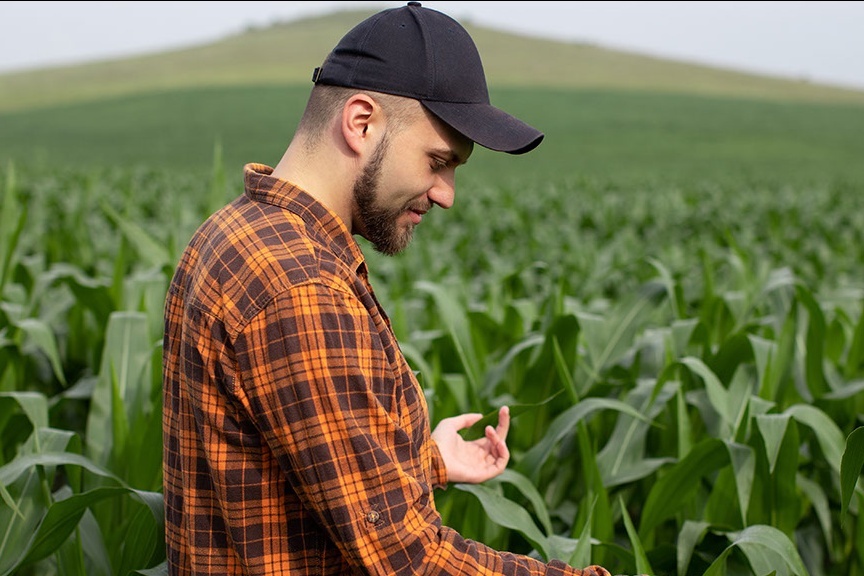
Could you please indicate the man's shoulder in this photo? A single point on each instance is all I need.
(248, 253)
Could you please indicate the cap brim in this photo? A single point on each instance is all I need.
(487, 126)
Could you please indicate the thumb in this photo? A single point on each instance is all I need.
(462, 421)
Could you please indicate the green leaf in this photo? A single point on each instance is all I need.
(92, 294)
(62, 518)
(125, 361)
(691, 534)
(642, 564)
(596, 492)
(524, 485)
(622, 460)
(773, 429)
(563, 424)
(582, 553)
(150, 250)
(851, 465)
(815, 493)
(145, 443)
(826, 430)
(673, 291)
(855, 356)
(12, 220)
(774, 358)
(477, 430)
(744, 466)
(119, 423)
(18, 527)
(685, 428)
(22, 464)
(850, 390)
(140, 540)
(754, 541)
(608, 338)
(717, 394)
(497, 373)
(93, 546)
(718, 567)
(452, 313)
(43, 337)
(160, 570)
(33, 404)
(217, 197)
(508, 514)
(563, 371)
(674, 488)
(786, 504)
(815, 343)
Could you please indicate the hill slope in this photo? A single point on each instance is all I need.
(288, 52)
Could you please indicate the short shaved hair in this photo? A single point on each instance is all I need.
(325, 102)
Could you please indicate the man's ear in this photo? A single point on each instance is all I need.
(359, 115)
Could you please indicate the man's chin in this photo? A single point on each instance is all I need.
(394, 245)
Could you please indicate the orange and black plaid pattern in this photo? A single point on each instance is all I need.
(296, 437)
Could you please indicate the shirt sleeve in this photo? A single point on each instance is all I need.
(439, 469)
(345, 429)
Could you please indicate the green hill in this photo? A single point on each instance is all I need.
(288, 52)
(607, 114)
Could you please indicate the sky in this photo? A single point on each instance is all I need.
(819, 41)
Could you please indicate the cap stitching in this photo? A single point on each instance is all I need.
(431, 63)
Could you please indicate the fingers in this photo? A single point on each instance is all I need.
(497, 446)
(497, 437)
(503, 422)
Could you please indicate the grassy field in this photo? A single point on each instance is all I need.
(605, 135)
(669, 293)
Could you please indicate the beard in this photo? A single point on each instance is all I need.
(379, 224)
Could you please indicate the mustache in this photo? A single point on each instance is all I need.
(419, 206)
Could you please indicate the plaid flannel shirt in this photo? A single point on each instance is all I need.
(296, 437)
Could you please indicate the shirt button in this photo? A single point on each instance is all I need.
(373, 517)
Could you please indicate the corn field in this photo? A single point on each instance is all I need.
(685, 368)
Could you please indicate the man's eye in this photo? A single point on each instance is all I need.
(438, 165)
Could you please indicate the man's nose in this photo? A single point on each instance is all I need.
(443, 192)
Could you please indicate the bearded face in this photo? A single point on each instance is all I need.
(382, 221)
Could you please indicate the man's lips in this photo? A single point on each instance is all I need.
(415, 216)
(416, 212)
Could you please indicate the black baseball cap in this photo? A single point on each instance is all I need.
(424, 54)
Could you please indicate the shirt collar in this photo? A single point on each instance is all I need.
(261, 186)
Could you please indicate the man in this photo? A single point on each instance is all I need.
(296, 437)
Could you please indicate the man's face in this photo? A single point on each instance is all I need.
(408, 172)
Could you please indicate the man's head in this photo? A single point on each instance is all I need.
(423, 54)
(411, 167)
(397, 106)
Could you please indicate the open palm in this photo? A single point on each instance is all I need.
(473, 461)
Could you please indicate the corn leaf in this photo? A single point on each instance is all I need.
(691, 534)
(851, 465)
(62, 518)
(524, 485)
(43, 337)
(508, 514)
(767, 547)
(674, 488)
(124, 362)
(826, 430)
(564, 423)
(642, 564)
(772, 427)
